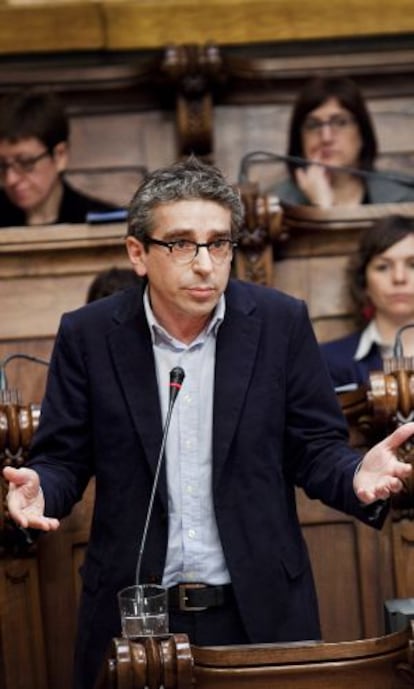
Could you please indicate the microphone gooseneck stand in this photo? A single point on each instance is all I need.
(176, 380)
(268, 156)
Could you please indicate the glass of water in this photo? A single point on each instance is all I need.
(144, 611)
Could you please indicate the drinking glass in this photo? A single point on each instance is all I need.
(144, 611)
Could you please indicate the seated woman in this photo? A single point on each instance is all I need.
(330, 125)
(34, 134)
(381, 281)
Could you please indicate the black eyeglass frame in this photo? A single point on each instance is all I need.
(232, 244)
(338, 122)
(22, 165)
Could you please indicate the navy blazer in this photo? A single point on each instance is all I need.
(277, 424)
(343, 368)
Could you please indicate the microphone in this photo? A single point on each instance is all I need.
(176, 381)
(263, 156)
(12, 396)
(398, 351)
(177, 376)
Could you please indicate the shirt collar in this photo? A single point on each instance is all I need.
(159, 333)
(370, 337)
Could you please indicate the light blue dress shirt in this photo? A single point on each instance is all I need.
(194, 552)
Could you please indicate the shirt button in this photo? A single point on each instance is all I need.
(191, 533)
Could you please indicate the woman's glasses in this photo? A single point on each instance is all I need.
(21, 165)
(336, 123)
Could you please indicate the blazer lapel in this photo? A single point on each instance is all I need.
(237, 343)
(131, 349)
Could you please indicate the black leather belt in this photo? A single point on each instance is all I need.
(198, 597)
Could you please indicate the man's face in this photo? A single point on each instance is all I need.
(183, 295)
(30, 172)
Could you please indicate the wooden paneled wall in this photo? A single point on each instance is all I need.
(124, 111)
(147, 108)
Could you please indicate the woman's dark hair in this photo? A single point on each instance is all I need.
(110, 281)
(384, 233)
(316, 92)
(27, 114)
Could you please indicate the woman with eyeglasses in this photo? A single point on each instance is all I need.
(381, 285)
(34, 134)
(331, 127)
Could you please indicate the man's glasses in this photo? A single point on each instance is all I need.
(336, 123)
(185, 250)
(21, 165)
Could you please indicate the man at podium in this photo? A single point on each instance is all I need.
(256, 417)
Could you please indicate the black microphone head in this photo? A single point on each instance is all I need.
(177, 376)
(176, 380)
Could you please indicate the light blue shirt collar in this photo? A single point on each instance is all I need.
(160, 334)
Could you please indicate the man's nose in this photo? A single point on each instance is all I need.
(202, 261)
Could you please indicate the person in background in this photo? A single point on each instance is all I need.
(256, 417)
(381, 284)
(110, 281)
(34, 149)
(331, 125)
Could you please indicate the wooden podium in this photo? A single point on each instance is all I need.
(386, 662)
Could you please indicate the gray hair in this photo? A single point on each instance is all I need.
(182, 181)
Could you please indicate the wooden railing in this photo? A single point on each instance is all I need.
(378, 663)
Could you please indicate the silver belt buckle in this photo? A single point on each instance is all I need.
(182, 598)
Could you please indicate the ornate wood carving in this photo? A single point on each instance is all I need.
(272, 230)
(149, 663)
(262, 226)
(17, 425)
(174, 664)
(378, 408)
(193, 71)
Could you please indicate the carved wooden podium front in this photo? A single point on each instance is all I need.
(386, 662)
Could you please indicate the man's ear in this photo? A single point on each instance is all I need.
(61, 156)
(137, 255)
